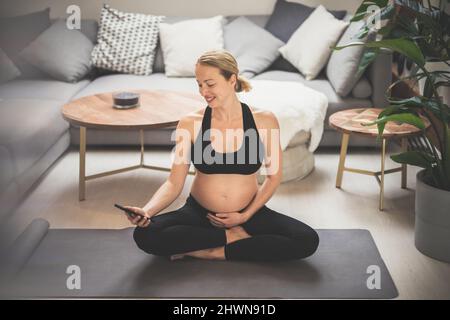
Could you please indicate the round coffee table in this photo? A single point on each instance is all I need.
(158, 109)
(350, 122)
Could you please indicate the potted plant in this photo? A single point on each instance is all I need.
(419, 32)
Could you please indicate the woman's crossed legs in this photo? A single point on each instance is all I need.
(268, 236)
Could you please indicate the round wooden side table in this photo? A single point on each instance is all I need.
(350, 122)
(157, 109)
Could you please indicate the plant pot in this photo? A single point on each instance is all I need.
(432, 225)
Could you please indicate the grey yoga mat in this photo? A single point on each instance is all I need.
(106, 263)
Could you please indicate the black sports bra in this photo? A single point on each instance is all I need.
(246, 160)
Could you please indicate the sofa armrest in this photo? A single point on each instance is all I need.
(380, 76)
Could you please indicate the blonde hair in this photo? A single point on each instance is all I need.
(227, 64)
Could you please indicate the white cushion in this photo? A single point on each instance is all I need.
(308, 49)
(184, 42)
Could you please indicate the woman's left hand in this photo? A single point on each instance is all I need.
(226, 219)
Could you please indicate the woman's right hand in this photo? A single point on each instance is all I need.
(138, 220)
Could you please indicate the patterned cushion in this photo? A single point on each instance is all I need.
(126, 41)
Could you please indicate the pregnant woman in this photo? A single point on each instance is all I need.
(225, 216)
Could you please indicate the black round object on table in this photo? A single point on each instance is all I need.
(126, 100)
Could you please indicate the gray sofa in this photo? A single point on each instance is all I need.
(33, 134)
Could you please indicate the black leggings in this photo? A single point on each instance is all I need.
(274, 236)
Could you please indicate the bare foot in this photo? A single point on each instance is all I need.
(176, 257)
(210, 253)
(236, 233)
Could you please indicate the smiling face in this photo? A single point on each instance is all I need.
(213, 86)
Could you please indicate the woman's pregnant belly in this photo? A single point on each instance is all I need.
(224, 192)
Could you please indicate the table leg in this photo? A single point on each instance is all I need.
(340, 172)
(82, 173)
(404, 165)
(383, 155)
(141, 133)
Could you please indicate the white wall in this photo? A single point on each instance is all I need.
(90, 9)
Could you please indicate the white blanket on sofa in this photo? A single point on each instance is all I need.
(296, 106)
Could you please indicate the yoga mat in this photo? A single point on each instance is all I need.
(23, 247)
(110, 265)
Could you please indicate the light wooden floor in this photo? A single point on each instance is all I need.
(313, 200)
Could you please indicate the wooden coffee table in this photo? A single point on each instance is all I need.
(350, 122)
(158, 109)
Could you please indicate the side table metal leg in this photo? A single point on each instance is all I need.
(404, 165)
(383, 155)
(344, 145)
(82, 173)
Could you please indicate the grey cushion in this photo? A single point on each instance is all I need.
(17, 32)
(258, 19)
(362, 89)
(8, 70)
(343, 64)
(90, 29)
(284, 21)
(41, 125)
(253, 47)
(41, 89)
(288, 16)
(7, 165)
(61, 52)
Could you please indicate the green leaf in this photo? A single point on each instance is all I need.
(402, 45)
(415, 158)
(420, 102)
(400, 117)
(368, 56)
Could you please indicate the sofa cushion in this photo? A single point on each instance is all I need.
(60, 52)
(17, 32)
(362, 89)
(284, 21)
(343, 64)
(126, 42)
(7, 165)
(155, 81)
(29, 127)
(184, 42)
(8, 70)
(288, 16)
(158, 66)
(253, 47)
(41, 89)
(309, 51)
(89, 28)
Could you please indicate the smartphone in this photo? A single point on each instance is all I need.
(130, 213)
